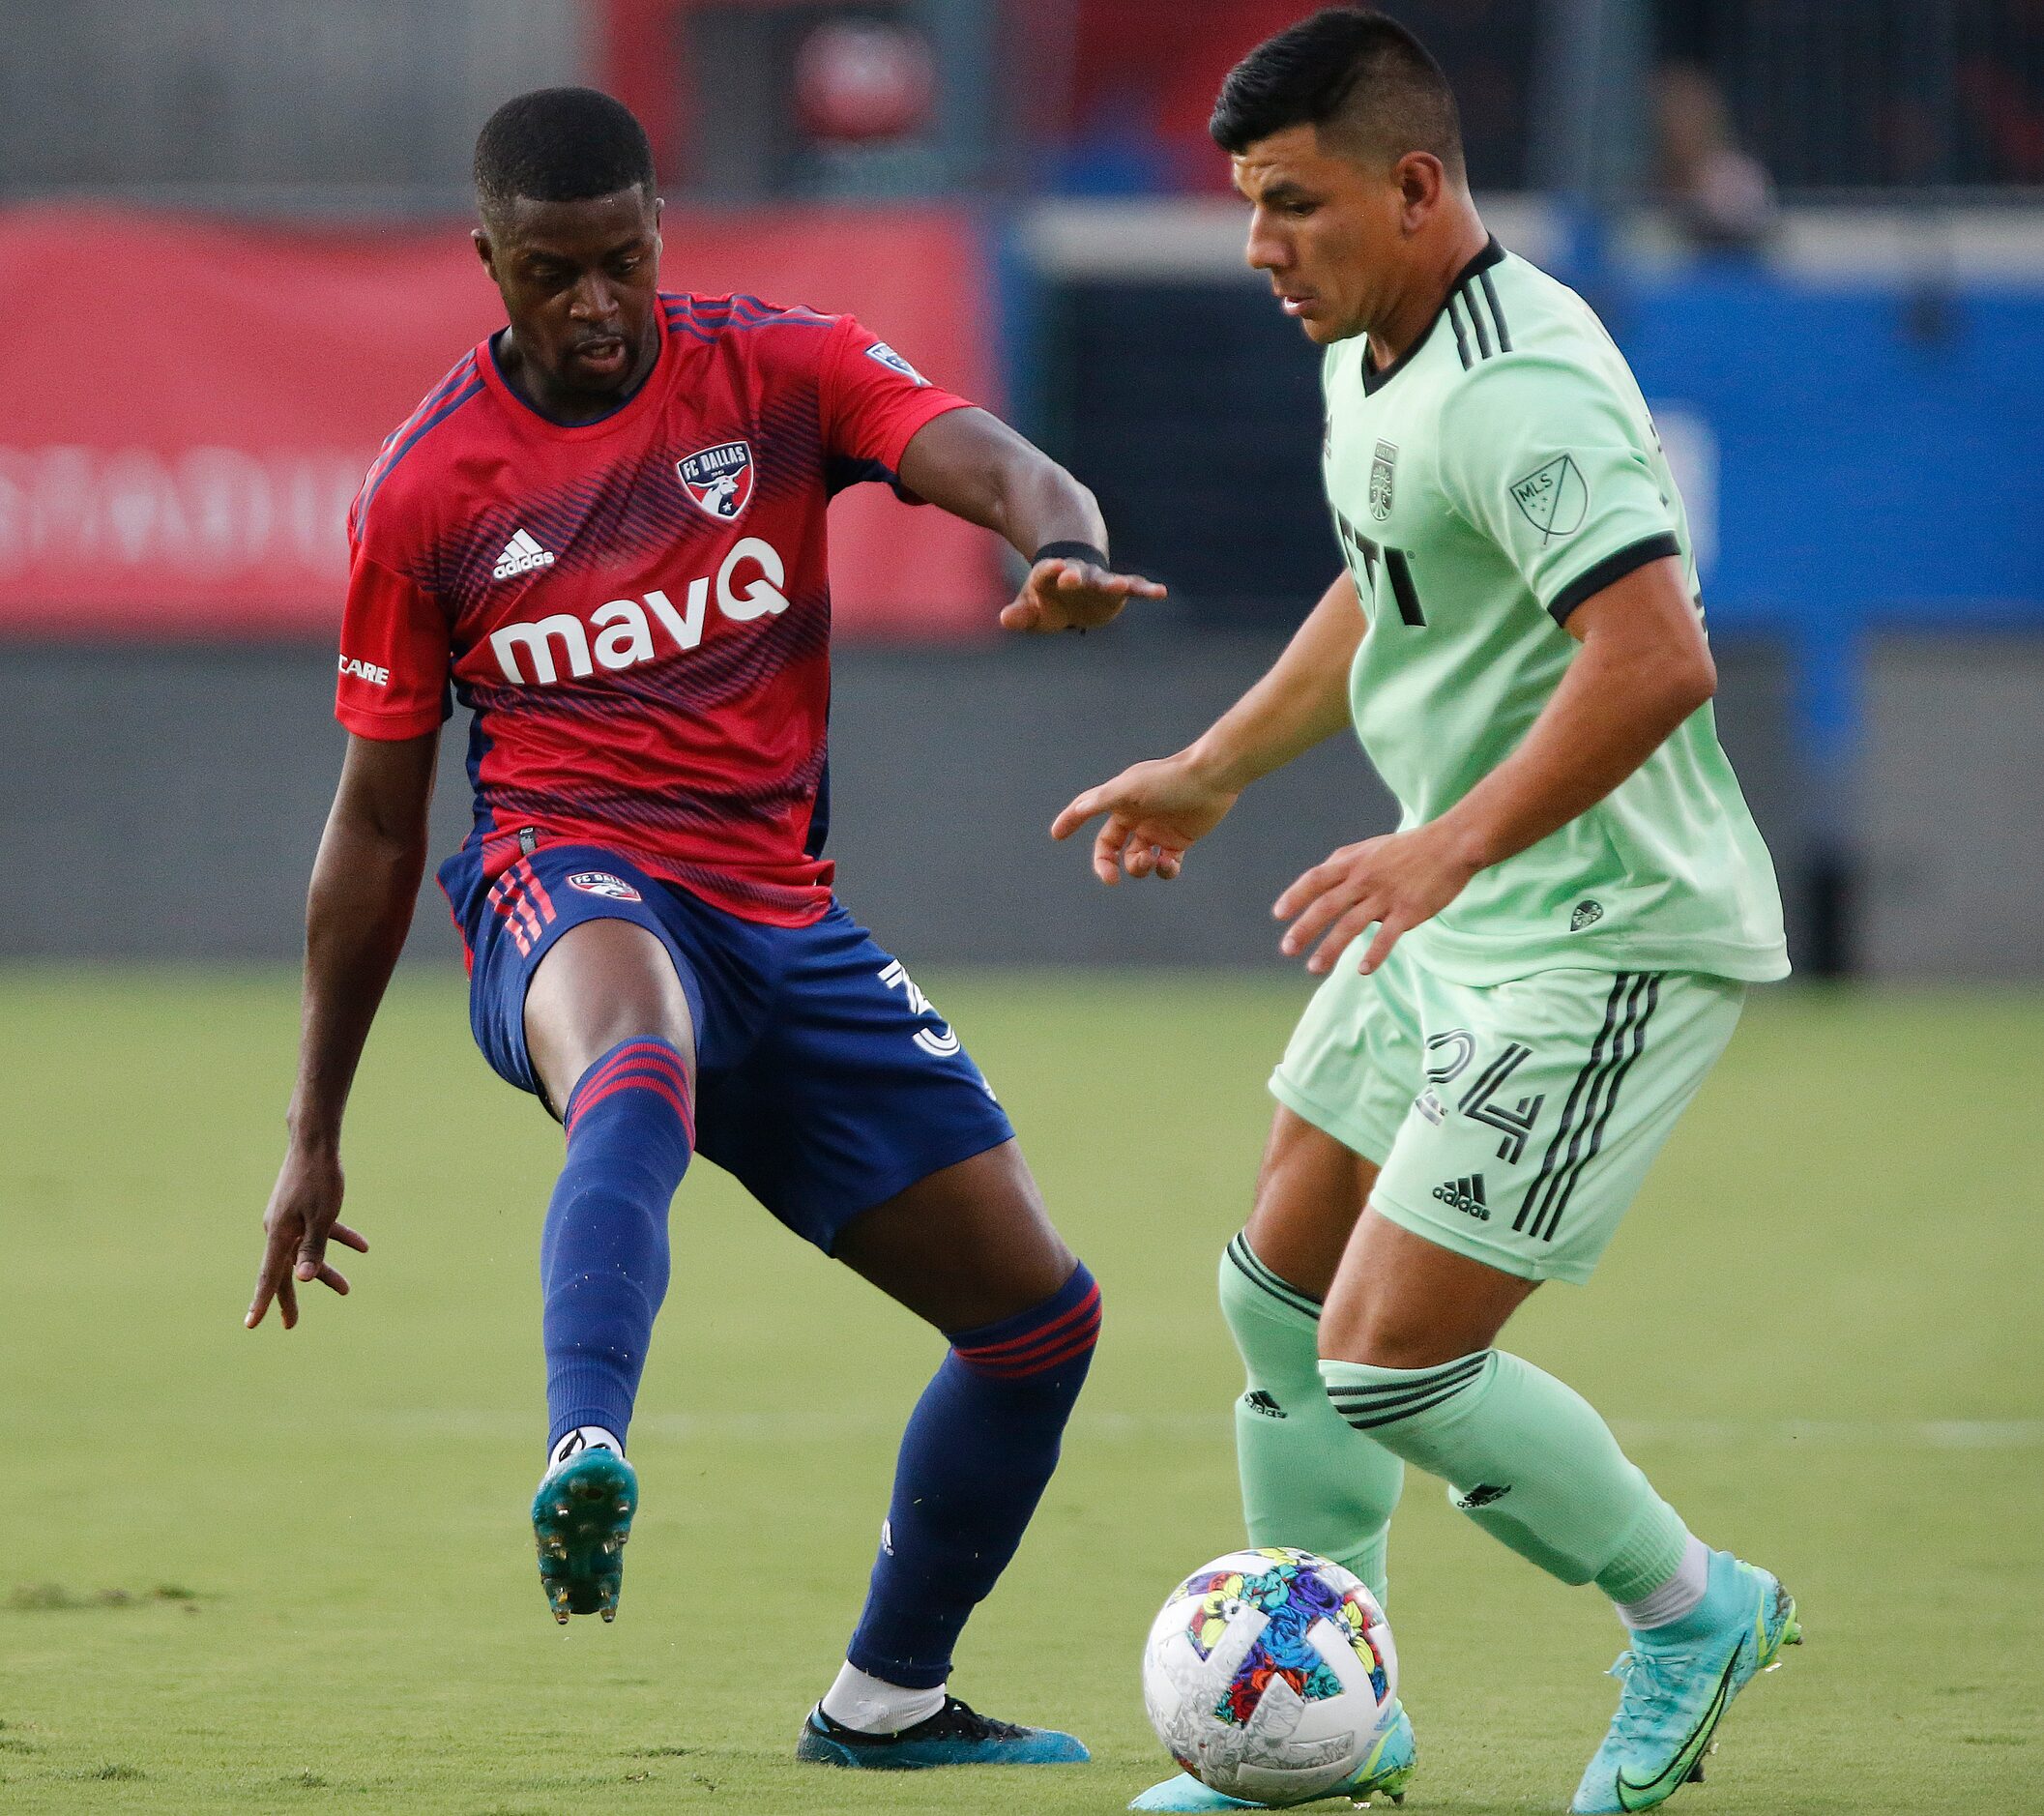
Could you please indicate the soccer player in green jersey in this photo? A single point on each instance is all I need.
(1566, 920)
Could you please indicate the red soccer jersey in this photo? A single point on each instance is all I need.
(637, 610)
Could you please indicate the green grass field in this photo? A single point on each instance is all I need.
(261, 1572)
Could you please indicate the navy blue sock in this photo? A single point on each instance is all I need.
(979, 1450)
(604, 1255)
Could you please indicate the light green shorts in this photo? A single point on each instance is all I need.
(1511, 1122)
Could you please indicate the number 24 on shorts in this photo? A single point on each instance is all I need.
(1450, 1056)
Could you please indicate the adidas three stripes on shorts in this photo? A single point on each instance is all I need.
(1511, 1122)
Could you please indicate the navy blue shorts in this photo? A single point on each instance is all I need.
(825, 1081)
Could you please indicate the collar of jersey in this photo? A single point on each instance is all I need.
(1374, 382)
(607, 423)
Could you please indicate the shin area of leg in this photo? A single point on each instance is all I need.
(1307, 1478)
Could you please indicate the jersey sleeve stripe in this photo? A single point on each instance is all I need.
(1475, 320)
(794, 311)
(681, 325)
(1611, 569)
(750, 308)
(390, 465)
(695, 317)
(1484, 321)
(1496, 315)
(707, 329)
(462, 369)
(1461, 340)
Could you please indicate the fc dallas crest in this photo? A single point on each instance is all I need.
(719, 478)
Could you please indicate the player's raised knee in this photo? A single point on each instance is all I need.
(646, 1073)
(1056, 1337)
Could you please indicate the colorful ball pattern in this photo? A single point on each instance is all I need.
(1270, 1675)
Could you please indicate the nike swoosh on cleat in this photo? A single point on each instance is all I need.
(1677, 1769)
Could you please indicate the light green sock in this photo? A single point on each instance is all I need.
(1528, 1460)
(1307, 1479)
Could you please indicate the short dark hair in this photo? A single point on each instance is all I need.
(560, 145)
(1352, 71)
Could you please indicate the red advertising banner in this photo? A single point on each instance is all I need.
(187, 406)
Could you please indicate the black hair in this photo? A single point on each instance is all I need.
(560, 145)
(1351, 70)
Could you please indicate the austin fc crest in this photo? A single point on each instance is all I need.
(1381, 469)
(719, 478)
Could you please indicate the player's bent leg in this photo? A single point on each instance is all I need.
(1407, 1359)
(610, 1037)
(969, 1244)
(971, 1251)
(1445, 1254)
(1306, 1479)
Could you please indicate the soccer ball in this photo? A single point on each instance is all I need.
(1269, 1674)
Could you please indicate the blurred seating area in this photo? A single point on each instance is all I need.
(330, 103)
(1810, 96)
(1144, 72)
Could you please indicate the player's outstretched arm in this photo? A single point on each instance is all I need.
(1156, 810)
(977, 468)
(364, 883)
(1643, 669)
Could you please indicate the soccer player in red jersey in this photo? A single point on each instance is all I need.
(603, 532)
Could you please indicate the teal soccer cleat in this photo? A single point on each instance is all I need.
(581, 1518)
(954, 1736)
(1385, 1774)
(1679, 1680)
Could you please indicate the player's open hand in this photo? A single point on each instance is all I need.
(1396, 882)
(1065, 595)
(1155, 813)
(297, 1227)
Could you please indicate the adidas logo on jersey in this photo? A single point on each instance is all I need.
(1466, 1194)
(521, 555)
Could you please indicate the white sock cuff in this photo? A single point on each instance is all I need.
(582, 1438)
(1676, 1596)
(874, 1706)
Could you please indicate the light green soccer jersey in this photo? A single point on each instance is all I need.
(1485, 485)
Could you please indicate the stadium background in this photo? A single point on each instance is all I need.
(233, 242)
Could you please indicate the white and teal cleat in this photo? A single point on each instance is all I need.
(1679, 1680)
(1385, 1774)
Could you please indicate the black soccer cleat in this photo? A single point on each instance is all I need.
(956, 1735)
